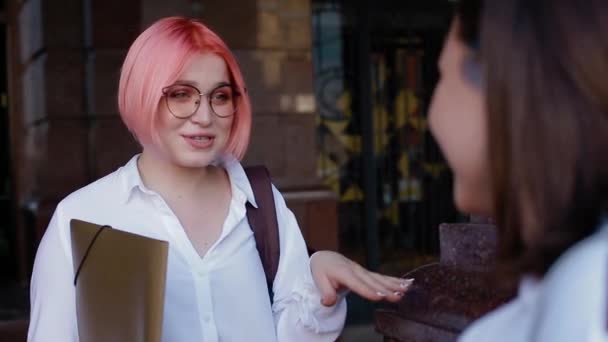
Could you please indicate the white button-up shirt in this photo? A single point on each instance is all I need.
(570, 304)
(222, 296)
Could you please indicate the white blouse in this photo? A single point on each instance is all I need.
(222, 296)
(570, 304)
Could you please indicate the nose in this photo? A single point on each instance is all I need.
(203, 115)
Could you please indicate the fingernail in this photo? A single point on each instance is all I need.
(381, 294)
(398, 294)
(407, 282)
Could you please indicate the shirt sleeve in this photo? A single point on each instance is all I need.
(52, 296)
(568, 304)
(298, 312)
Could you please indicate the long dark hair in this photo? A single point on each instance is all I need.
(545, 76)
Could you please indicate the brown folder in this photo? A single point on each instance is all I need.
(120, 284)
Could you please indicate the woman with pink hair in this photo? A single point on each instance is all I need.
(183, 97)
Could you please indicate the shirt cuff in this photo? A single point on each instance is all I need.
(305, 300)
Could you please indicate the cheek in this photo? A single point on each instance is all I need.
(165, 122)
(457, 121)
(168, 128)
(225, 126)
(440, 119)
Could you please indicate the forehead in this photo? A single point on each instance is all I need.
(205, 70)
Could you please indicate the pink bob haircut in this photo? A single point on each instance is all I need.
(156, 59)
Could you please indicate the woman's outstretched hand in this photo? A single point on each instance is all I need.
(333, 273)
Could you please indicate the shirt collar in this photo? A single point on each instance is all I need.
(238, 178)
(131, 179)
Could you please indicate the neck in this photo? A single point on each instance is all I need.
(169, 179)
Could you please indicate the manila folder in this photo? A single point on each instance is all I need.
(120, 284)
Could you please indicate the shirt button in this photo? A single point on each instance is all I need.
(202, 273)
(206, 318)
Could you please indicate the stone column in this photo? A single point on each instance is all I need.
(48, 130)
(111, 28)
(64, 119)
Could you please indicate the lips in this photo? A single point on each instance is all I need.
(199, 141)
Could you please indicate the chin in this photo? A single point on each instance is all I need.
(472, 202)
(195, 160)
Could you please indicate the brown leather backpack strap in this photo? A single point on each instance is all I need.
(263, 222)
